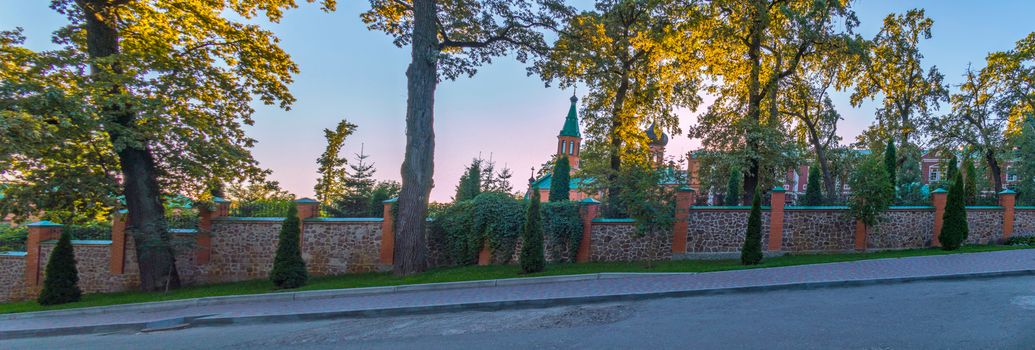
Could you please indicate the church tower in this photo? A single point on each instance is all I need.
(570, 139)
(657, 145)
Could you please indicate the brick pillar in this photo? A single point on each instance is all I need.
(484, 255)
(776, 218)
(307, 208)
(117, 264)
(590, 210)
(38, 232)
(938, 198)
(684, 198)
(388, 233)
(860, 236)
(1007, 199)
(220, 208)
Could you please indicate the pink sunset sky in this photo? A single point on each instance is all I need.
(350, 72)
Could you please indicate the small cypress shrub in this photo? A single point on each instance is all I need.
(288, 266)
(891, 162)
(951, 170)
(560, 182)
(954, 223)
(814, 192)
(532, 259)
(969, 181)
(62, 278)
(733, 188)
(751, 253)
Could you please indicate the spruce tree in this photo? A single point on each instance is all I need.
(560, 182)
(532, 258)
(751, 253)
(733, 188)
(969, 181)
(288, 266)
(470, 185)
(954, 222)
(814, 192)
(61, 284)
(891, 162)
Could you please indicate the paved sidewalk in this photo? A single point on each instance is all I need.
(952, 266)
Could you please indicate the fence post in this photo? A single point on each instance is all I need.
(590, 209)
(776, 218)
(860, 235)
(117, 264)
(307, 208)
(38, 232)
(388, 233)
(938, 198)
(684, 198)
(1007, 199)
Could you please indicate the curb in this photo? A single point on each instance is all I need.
(325, 294)
(215, 320)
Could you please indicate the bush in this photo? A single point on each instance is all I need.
(563, 224)
(954, 225)
(288, 266)
(453, 228)
(1021, 240)
(498, 219)
(12, 238)
(814, 192)
(90, 231)
(872, 191)
(560, 182)
(61, 284)
(751, 253)
(532, 259)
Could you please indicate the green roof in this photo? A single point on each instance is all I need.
(571, 123)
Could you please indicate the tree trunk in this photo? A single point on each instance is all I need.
(995, 169)
(146, 222)
(754, 98)
(418, 166)
(613, 189)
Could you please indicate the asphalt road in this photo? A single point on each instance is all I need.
(973, 314)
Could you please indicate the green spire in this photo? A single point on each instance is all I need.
(571, 123)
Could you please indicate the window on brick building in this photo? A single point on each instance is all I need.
(1011, 176)
(934, 174)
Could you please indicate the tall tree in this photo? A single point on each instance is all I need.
(893, 69)
(974, 122)
(752, 45)
(331, 185)
(447, 38)
(162, 89)
(623, 52)
(807, 101)
(1015, 70)
(1024, 161)
(560, 182)
(470, 184)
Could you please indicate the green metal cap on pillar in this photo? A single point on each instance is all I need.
(393, 200)
(685, 189)
(44, 223)
(1008, 191)
(779, 189)
(940, 190)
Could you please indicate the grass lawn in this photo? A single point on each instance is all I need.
(470, 273)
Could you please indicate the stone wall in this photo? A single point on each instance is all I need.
(241, 250)
(902, 229)
(1024, 222)
(986, 225)
(12, 277)
(622, 242)
(93, 262)
(338, 247)
(817, 230)
(721, 230)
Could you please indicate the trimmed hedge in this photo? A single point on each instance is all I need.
(61, 284)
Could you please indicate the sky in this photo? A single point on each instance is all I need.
(350, 72)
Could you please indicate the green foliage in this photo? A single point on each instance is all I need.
(891, 162)
(61, 284)
(560, 182)
(563, 224)
(470, 182)
(1021, 240)
(498, 218)
(951, 166)
(257, 191)
(733, 188)
(453, 227)
(872, 192)
(954, 226)
(751, 252)
(12, 238)
(532, 258)
(90, 231)
(331, 165)
(272, 208)
(814, 192)
(644, 199)
(288, 267)
(970, 176)
(1024, 167)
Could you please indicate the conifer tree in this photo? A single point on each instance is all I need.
(470, 182)
(61, 284)
(954, 226)
(532, 257)
(751, 253)
(951, 170)
(969, 181)
(560, 182)
(891, 162)
(733, 188)
(288, 267)
(329, 185)
(814, 193)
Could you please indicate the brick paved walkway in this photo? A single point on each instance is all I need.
(901, 268)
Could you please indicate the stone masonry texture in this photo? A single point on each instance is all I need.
(986, 226)
(817, 230)
(722, 231)
(902, 229)
(94, 274)
(622, 242)
(1024, 222)
(333, 248)
(12, 278)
